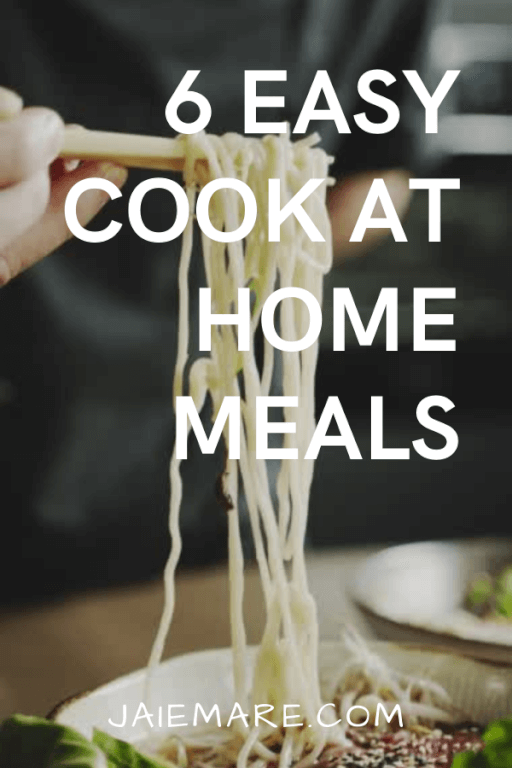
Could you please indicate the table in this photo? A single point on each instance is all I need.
(48, 653)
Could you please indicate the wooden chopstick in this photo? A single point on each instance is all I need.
(129, 149)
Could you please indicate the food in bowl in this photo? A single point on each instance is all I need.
(435, 726)
(490, 596)
(383, 718)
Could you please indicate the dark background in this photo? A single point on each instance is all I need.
(86, 370)
(469, 493)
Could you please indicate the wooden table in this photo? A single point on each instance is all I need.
(48, 653)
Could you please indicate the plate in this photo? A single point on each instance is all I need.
(415, 592)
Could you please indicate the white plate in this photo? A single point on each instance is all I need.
(415, 592)
(481, 691)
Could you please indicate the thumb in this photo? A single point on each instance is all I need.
(10, 104)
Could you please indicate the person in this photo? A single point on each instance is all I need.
(36, 182)
(89, 334)
(35, 185)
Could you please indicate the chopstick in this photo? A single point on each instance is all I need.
(129, 149)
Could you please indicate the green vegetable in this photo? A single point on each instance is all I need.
(491, 598)
(38, 743)
(497, 752)
(32, 742)
(122, 755)
(499, 733)
(504, 583)
(480, 592)
(504, 605)
(465, 760)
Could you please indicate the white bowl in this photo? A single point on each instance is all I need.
(415, 593)
(482, 691)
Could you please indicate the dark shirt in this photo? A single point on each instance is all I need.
(88, 337)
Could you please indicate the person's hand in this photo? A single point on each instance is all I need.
(346, 201)
(34, 185)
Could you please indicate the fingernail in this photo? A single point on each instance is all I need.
(49, 127)
(71, 165)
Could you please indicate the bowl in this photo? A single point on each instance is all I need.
(482, 691)
(415, 593)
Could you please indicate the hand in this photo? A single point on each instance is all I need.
(34, 185)
(345, 204)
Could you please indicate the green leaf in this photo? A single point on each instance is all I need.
(497, 757)
(120, 754)
(480, 592)
(504, 583)
(464, 760)
(499, 733)
(39, 743)
(504, 604)
(497, 752)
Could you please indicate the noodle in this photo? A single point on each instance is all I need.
(286, 669)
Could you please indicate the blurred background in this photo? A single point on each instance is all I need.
(86, 370)
(468, 494)
(89, 335)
